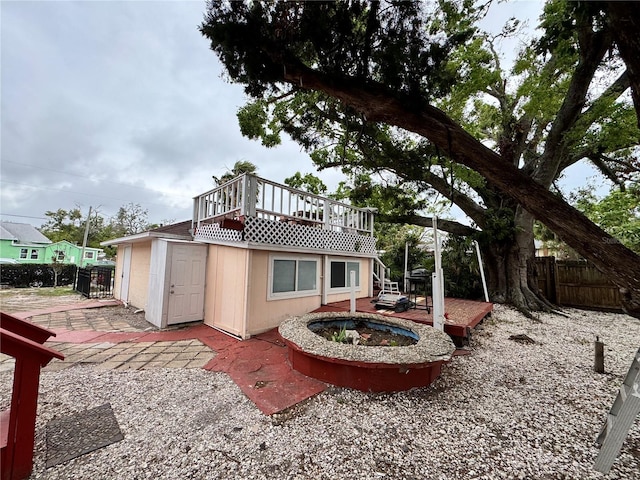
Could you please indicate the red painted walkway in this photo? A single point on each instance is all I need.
(258, 365)
(260, 368)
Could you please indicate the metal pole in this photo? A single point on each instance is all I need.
(406, 266)
(438, 282)
(84, 245)
(484, 281)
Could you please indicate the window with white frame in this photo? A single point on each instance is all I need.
(88, 255)
(293, 276)
(24, 252)
(340, 273)
(34, 254)
(60, 256)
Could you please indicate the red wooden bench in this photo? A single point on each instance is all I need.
(23, 341)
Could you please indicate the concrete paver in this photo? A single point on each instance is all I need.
(117, 356)
(107, 342)
(111, 355)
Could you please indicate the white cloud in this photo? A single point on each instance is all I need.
(106, 103)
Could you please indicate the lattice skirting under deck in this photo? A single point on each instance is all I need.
(269, 232)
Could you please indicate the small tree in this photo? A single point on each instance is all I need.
(56, 265)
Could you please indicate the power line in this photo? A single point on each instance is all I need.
(22, 216)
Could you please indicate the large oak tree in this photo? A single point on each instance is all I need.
(387, 62)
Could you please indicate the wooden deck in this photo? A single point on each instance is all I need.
(462, 315)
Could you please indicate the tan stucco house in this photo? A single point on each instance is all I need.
(254, 253)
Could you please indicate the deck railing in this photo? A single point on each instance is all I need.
(23, 341)
(251, 196)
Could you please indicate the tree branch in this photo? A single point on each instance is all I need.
(593, 46)
(445, 225)
(597, 160)
(378, 104)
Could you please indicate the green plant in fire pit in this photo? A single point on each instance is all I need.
(341, 336)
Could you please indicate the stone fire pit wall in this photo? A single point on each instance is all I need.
(367, 368)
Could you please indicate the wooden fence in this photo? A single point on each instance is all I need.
(575, 283)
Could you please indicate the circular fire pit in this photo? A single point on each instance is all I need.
(368, 368)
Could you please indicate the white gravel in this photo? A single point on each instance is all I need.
(509, 410)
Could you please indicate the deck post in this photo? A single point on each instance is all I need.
(352, 291)
(438, 282)
(327, 215)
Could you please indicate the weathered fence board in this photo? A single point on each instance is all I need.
(575, 283)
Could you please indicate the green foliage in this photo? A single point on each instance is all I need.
(64, 225)
(461, 270)
(548, 112)
(254, 124)
(129, 220)
(239, 168)
(498, 227)
(69, 225)
(403, 45)
(309, 183)
(459, 261)
(392, 239)
(618, 213)
(340, 336)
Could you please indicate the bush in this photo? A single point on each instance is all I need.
(461, 271)
(41, 275)
(460, 268)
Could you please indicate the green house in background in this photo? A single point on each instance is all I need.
(67, 252)
(23, 243)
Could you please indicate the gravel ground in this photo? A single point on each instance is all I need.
(26, 299)
(509, 410)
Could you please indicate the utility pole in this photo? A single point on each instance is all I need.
(84, 244)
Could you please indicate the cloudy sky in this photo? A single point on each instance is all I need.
(117, 102)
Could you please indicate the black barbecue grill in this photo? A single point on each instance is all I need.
(419, 284)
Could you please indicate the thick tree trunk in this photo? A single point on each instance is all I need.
(495, 261)
(619, 263)
(508, 268)
(523, 294)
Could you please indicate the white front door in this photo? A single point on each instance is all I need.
(186, 283)
(126, 272)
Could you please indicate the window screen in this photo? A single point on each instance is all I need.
(284, 276)
(306, 275)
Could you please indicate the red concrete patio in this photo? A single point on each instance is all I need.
(259, 365)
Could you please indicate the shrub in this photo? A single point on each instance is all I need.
(42, 275)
